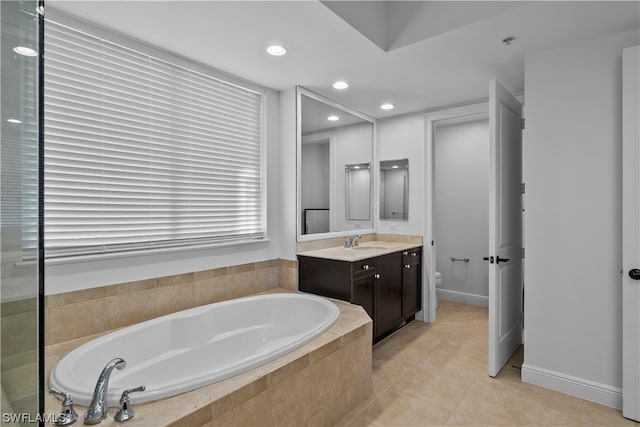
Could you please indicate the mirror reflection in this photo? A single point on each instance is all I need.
(336, 153)
(358, 196)
(394, 189)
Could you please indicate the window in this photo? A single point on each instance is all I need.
(144, 152)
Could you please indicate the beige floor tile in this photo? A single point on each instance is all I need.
(490, 402)
(395, 408)
(436, 374)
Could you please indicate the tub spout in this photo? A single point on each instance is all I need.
(98, 407)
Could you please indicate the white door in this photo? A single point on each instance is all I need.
(505, 227)
(631, 234)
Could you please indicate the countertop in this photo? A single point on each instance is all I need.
(363, 251)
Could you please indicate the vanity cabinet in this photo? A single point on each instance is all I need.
(412, 281)
(388, 310)
(386, 286)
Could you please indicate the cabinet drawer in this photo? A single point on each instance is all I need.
(365, 267)
(411, 256)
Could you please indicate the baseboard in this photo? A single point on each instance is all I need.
(462, 297)
(574, 386)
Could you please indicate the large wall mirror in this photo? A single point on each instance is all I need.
(335, 166)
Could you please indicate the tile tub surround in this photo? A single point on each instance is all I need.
(316, 384)
(78, 314)
(289, 274)
(19, 356)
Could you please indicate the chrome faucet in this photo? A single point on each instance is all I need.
(98, 408)
(352, 241)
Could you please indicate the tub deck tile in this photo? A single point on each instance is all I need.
(277, 393)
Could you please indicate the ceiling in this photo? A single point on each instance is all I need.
(315, 116)
(416, 55)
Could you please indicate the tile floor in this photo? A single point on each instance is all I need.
(435, 374)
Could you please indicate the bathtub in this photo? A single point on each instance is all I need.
(193, 348)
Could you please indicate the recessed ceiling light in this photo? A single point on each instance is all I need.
(333, 118)
(387, 106)
(25, 51)
(16, 121)
(276, 50)
(340, 85)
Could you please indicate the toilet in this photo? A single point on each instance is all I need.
(438, 283)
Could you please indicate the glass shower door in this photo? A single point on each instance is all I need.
(20, 261)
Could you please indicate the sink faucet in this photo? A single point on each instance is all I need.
(98, 408)
(352, 241)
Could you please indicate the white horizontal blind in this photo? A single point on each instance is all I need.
(141, 153)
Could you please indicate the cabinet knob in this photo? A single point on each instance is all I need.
(414, 254)
(366, 267)
(407, 266)
(377, 275)
(405, 253)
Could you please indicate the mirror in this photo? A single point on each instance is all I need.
(335, 154)
(358, 194)
(394, 190)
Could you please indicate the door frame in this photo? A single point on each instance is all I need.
(630, 233)
(505, 115)
(462, 114)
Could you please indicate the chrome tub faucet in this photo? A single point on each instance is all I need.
(97, 410)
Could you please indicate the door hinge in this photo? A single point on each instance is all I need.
(522, 123)
(40, 10)
(522, 187)
(522, 253)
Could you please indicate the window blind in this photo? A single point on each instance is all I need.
(143, 153)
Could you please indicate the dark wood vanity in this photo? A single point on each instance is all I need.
(388, 286)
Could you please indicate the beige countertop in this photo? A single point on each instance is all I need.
(363, 251)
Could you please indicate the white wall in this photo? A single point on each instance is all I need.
(403, 137)
(287, 175)
(572, 163)
(69, 276)
(461, 206)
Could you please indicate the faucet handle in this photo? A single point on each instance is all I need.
(68, 414)
(126, 412)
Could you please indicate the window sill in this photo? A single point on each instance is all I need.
(149, 252)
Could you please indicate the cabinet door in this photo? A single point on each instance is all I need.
(324, 277)
(388, 293)
(363, 294)
(412, 288)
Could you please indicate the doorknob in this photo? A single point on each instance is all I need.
(499, 260)
(488, 258)
(634, 273)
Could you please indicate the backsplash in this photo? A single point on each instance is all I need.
(339, 241)
(78, 314)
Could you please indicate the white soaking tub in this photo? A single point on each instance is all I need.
(193, 348)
